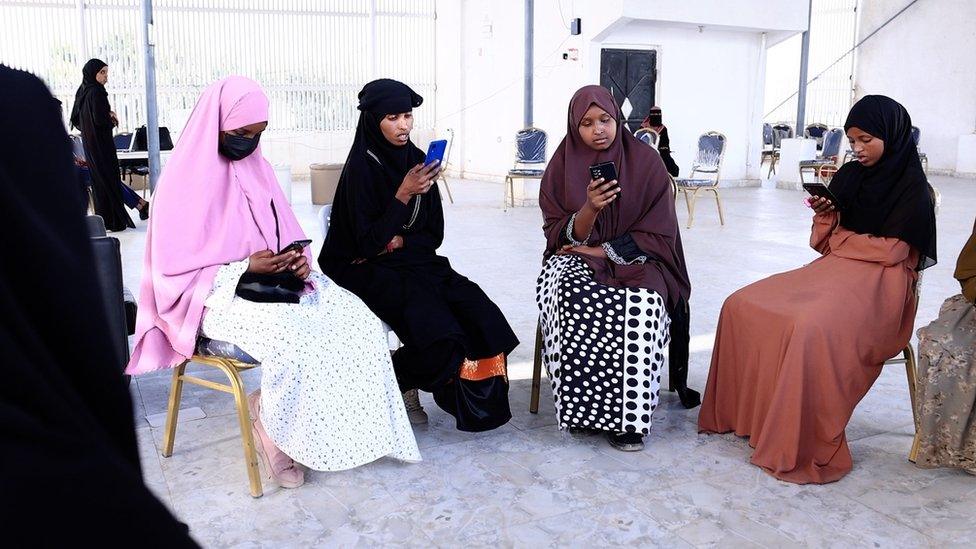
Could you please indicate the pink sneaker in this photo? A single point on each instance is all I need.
(278, 466)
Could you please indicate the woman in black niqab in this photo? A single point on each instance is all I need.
(455, 340)
(891, 198)
(69, 451)
(92, 115)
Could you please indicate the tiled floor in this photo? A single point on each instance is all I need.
(527, 484)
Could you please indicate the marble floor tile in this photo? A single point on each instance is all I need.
(528, 484)
(613, 524)
(938, 502)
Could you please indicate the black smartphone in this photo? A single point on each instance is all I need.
(606, 170)
(818, 190)
(296, 246)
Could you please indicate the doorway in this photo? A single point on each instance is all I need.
(631, 76)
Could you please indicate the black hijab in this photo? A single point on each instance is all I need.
(365, 213)
(69, 443)
(891, 198)
(378, 99)
(89, 85)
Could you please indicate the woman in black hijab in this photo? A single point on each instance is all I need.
(92, 115)
(795, 353)
(885, 191)
(654, 121)
(69, 450)
(386, 226)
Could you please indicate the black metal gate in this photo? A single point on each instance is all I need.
(631, 76)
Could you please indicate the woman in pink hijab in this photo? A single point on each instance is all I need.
(328, 399)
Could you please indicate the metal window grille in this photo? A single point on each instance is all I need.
(311, 56)
(833, 27)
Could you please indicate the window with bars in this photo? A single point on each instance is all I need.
(311, 56)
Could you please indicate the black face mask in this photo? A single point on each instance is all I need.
(236, 147)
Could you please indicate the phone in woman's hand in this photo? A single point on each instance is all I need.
(606, 170)
(296, 246)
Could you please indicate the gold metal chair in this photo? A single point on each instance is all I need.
(232, 369)
(711, 152)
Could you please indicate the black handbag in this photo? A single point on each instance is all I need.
(271, 288)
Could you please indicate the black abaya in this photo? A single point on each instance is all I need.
(440, 316)
(68, 452)
(91, 115)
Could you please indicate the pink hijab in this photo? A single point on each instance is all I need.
(207, 212)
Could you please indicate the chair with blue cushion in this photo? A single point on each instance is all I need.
(781, 131)
(708, 161)
(816, 131)
(530, 158)
(917, 137)
(649, 136)
(768, 149)
(828, 157)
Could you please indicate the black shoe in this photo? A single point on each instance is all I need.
(144, 211)
(626, 442)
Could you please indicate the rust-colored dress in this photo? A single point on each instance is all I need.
(794, 353)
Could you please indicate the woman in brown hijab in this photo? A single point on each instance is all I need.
(794, 353)
(947, 376)
(614, 270)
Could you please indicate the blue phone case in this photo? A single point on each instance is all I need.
(436, 151)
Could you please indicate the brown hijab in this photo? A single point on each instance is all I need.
(966, 268)
(645, 209)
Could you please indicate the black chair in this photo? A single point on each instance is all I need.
(530, 157)
(120, 306)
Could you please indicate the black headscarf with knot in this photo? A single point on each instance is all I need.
(88, 86)
(891, 198)
(378, 99)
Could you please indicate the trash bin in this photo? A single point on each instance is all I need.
(325, 179)
(283, 175)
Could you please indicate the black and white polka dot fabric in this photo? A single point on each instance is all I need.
(603, 348)
(329, 397)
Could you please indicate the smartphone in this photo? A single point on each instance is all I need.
(818, 190)
(436, 152)
(606, 170)
(296, 246)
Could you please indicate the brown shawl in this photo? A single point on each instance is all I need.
(966, 268)
(645, 208)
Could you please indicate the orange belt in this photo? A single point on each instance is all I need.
(477, 370)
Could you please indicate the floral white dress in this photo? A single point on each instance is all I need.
(329, 397)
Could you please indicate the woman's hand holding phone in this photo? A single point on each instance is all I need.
(418, 181)
(820, 204)
(266, 262)
(599, 193)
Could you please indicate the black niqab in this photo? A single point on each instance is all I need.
(891, 198)
(89, 85)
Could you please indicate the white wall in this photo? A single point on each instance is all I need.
(926, 60)
(708, 80)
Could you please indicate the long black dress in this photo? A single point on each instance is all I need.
(440, 316)
(68, 450)
(91, 115)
